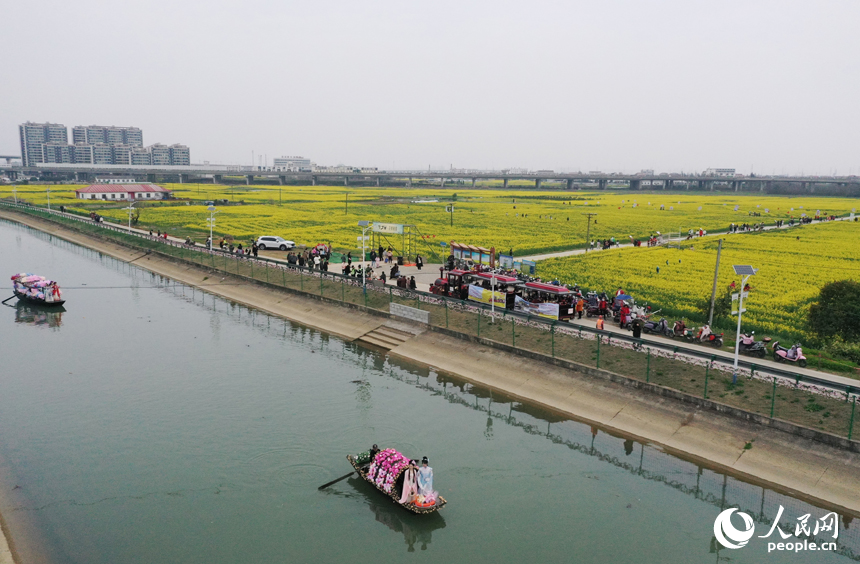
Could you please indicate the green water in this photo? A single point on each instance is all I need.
(151, 422)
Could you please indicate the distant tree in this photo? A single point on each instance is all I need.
(454, 196)
(837, 311)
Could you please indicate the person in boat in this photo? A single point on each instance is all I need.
(425, 481)
(410, 483)
(374, 450)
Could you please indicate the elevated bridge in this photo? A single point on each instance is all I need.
(196, 173)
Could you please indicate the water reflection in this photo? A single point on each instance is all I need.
(41, 316)
(417, 530)
(653, 464)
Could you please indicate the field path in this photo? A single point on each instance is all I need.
(682, 239)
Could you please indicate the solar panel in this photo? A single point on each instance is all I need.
(744, 269)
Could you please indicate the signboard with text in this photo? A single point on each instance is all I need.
(390, 228)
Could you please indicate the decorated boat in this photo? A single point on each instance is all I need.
(35, 289)
(387, 472)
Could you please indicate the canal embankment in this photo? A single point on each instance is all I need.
(797, 464)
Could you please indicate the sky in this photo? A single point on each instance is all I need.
(617, 86)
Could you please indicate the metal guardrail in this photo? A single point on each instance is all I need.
(485, 310)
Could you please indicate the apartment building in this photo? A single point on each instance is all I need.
(111, 135)
(95, 144)
(34, 135)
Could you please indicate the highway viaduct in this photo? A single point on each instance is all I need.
(571, 180)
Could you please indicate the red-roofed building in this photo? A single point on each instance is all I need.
(122, 192)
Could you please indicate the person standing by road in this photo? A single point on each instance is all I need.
(419, 262)
(580, 305)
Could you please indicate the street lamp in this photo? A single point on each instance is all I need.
(48, 190)
(745, 271)
(493, 298)
(211, 221)
(15, 194)
(365, 225)
(130, 209)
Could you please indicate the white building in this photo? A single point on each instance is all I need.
(297, 164)
(725, 172)
(115, 180)
(121, 191)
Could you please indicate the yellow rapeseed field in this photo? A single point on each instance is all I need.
(794, 264)
(525, 220)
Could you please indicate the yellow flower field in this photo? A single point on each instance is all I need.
(794, 264)
(525, 220)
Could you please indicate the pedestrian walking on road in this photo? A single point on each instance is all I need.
(580, 305)
(419, 262)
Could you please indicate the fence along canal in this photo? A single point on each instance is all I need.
(812, 401)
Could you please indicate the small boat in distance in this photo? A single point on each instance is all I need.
(35, 289)
(385, 470)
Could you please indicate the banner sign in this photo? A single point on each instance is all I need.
(506, 261)
(549, 311)
(390, 228)
(529, 266)
(478, 294)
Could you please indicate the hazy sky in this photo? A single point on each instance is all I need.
(609, 85)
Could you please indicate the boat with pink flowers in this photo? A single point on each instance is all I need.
(391, 472)
(35, 289)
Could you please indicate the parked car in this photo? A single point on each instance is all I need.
(270, 242)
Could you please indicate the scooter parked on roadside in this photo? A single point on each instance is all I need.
(748, 345)
(794, 354)
(659, 327)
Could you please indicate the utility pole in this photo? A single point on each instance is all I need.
(588, 229)
(714, 289)
(346, 204)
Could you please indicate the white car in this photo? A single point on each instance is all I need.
(269, 242)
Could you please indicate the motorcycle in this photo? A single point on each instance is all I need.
(705, 337)
(794, 354)
(680, 330)
(659, 327)
(750, 346)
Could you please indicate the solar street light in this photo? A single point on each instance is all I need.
(745, 271)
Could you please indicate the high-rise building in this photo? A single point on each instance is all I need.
(160, 154)
(83, 153)
(111, 135)
(57, 152)
(179, 155)
(102, 153)
(121, 154)
(141, 156)
(95, 144)
(34, 135)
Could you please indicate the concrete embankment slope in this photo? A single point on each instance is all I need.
(790, 463)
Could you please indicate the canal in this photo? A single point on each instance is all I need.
(155, 422)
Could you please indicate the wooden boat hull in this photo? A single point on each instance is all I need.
(36, 301)
(395, 497)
